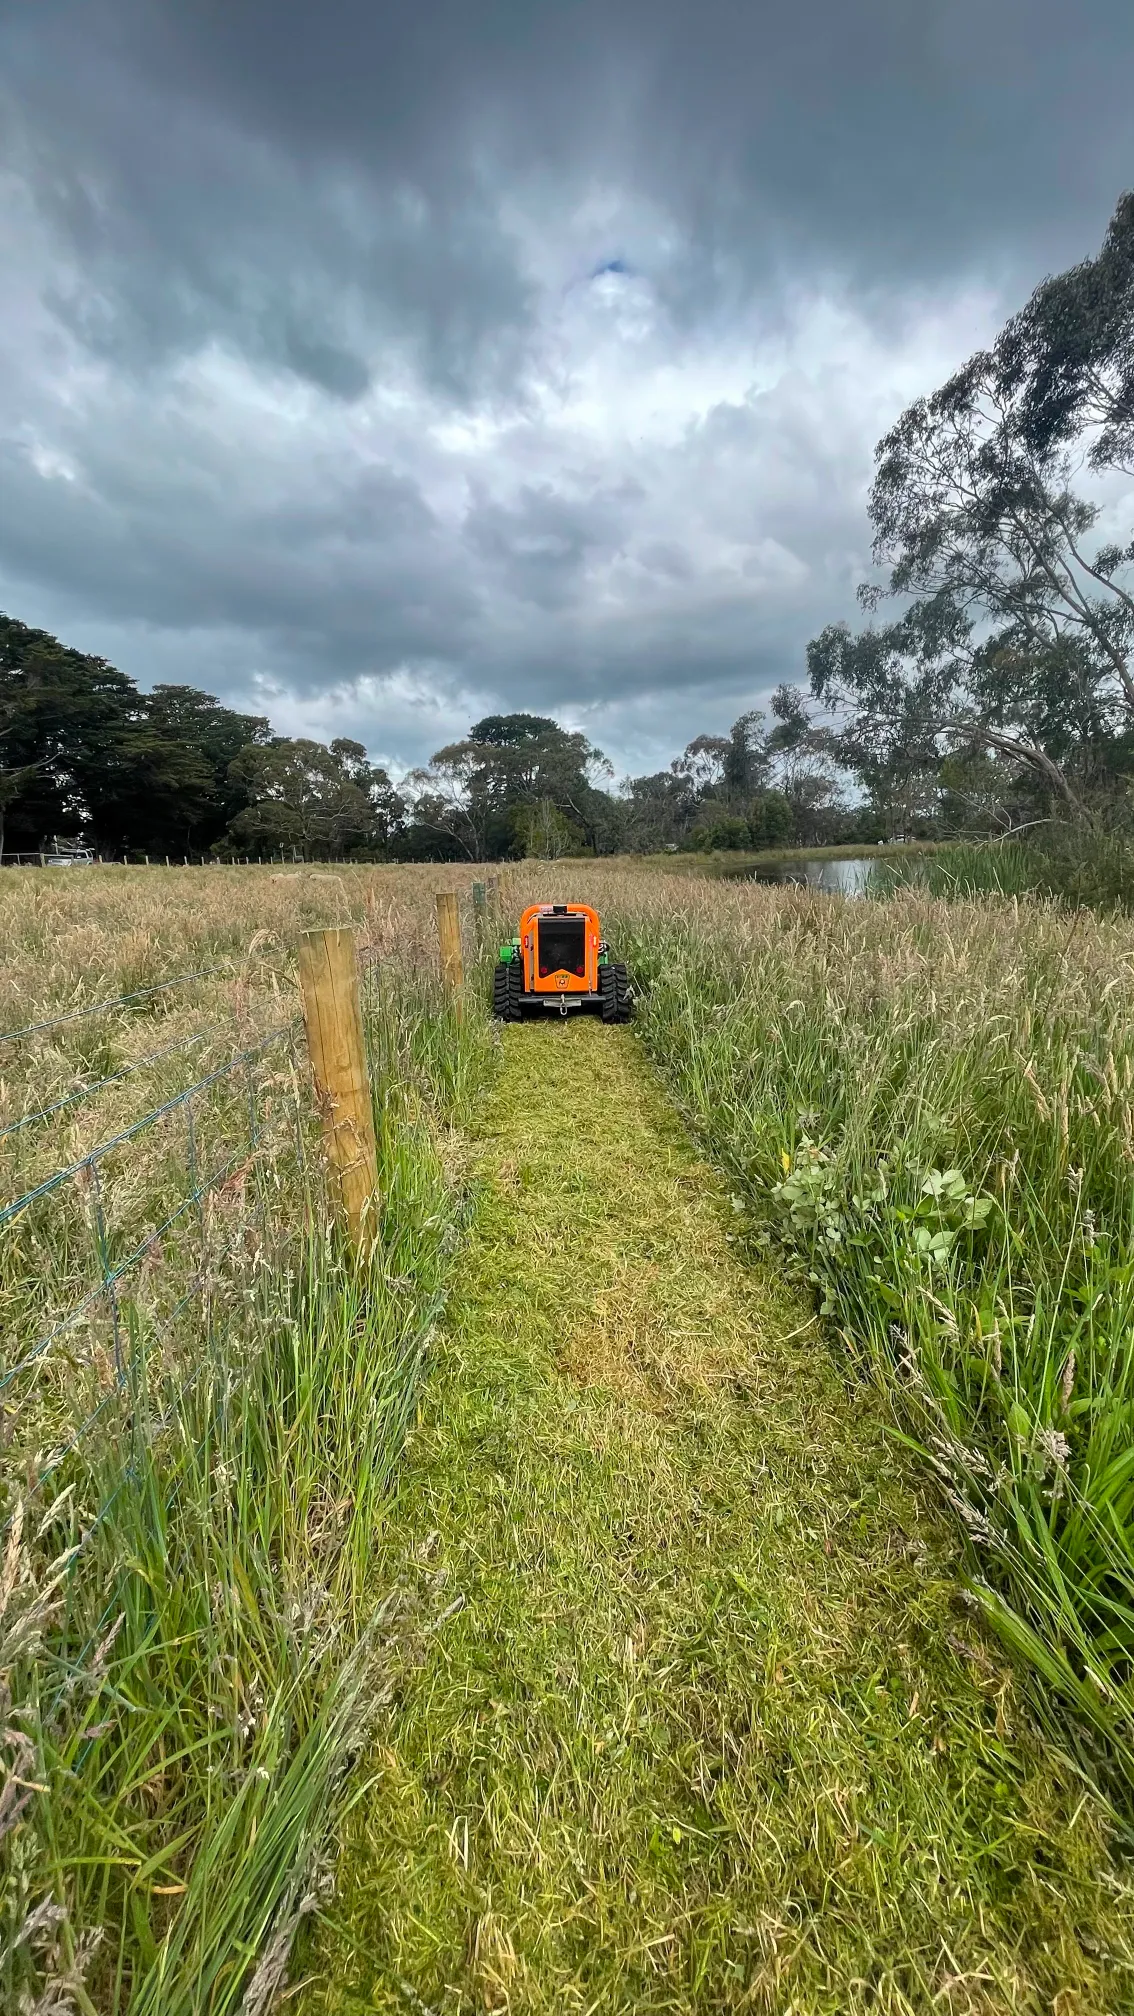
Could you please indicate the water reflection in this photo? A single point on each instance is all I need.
(848, 877)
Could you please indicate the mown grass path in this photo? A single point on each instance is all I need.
(710, 1729)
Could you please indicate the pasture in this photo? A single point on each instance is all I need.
(687, 1566)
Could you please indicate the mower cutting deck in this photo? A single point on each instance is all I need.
(558, 961)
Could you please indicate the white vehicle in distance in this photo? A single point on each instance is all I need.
(67, 857)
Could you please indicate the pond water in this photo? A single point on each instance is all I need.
(847, 877)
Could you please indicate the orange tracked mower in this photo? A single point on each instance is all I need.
(559, 960)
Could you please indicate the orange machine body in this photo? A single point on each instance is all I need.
(559, 957)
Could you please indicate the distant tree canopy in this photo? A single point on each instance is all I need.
(83, 753)
(512, 731)
(1014, 626)
(998, 691)
(217, 736)
(512, 779)
(522, 784)
(303, 796)
(85, 756)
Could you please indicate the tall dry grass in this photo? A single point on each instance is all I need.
(1070, 864)
(188, 1635)
(928, 1105)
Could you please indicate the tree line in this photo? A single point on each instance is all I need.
(85, 757)
(991, 688)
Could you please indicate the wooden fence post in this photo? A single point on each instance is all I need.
(332, 1013)
(449, 936)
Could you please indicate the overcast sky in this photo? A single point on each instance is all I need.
(375, 365)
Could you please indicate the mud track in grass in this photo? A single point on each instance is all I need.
(704, 1725)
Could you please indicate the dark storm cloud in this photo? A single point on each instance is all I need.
(889, 132)
(517, 350)
(184, 228)
(346, 557)
(538, 547)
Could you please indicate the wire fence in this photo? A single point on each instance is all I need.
(56, 1106)
(119, 1259)
(206, 1374)
(115, 1001)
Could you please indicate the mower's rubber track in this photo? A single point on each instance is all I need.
(507, 986)
(614, 986)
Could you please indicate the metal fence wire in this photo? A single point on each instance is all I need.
(116, 1001)
(75, 1098)
(99, 1274)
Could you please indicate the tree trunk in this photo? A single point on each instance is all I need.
(1027, 752)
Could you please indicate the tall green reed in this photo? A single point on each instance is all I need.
(186, 1674)
(929, 1108)
(1067, 864)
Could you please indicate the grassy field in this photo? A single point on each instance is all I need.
(929, 1107)
(924, 1110)
(686, 1715)
(188, 1627)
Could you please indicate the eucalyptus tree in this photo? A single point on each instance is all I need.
(480, 795)
(322, 801)
(1014, 627)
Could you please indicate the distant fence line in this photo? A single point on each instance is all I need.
(46, 857)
